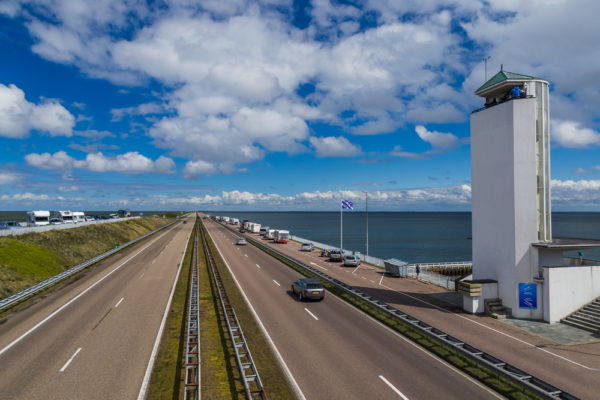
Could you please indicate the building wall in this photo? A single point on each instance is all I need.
(504, 198)
(567, 289)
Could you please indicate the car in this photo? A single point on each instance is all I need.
(351, 260)
(55, 221)
(241, 241)
(336, 255)
(308, 289)
(9, 225)
(307, 247)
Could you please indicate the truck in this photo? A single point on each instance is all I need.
(38, 218)
(255, 228)
(282, 236)
(65, 217)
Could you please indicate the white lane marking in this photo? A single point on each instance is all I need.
(286, 369)
(355, 269)
(399, 393)
(153, 261)
(363, 277)
(381, 280)
(317, 265)
(372, 281)
(258, 266)
(277, 283)
(142, 275)
(311, 314)
(492, 329)
(146, 380)
(70, 359)
(117, 305)
(246, 255)
(42, 322)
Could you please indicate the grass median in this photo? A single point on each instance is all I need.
(485, 375)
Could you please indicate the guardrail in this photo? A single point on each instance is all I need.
(43, 228)
(515, 375)
(252, 383)
(192, 348)
(38, 287)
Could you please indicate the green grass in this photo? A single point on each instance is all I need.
(167, 375)
(274, 381)
(34, 257)
(445, 352)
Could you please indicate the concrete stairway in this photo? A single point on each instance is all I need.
(587, 318)
(495, 309)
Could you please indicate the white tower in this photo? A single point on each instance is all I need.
(510, 177)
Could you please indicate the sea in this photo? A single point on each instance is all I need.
(415, 237)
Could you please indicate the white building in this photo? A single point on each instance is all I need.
(515, 257)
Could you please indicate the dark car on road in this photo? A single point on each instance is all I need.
(308, 288)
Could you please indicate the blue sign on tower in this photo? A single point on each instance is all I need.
(528, 296)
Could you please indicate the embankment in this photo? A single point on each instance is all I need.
(34, 257)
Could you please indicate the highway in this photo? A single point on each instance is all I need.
(574, 367)
(93, 338)
(332, 350)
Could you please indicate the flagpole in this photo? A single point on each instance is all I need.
(341, 226)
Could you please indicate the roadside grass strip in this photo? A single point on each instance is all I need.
(484, 375)
(167, 375)
(273, 378)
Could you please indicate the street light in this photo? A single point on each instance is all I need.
(367, 208)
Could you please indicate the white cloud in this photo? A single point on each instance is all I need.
(129, 163)
(439, 141)
(332, 146)
(7, 177)
(198, 167)
(19, 116)
(25, 197)
(572, 135)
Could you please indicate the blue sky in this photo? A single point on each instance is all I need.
(279, 104)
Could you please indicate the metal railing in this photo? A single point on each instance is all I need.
(192, 348)
(252, 383)
(515, 375)
(38, 287)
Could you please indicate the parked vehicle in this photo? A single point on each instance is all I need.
(9, 225)
(66, 217)
(307, 247)
(241, 242)
(123, 213)
(78, 216)
(55, 221)
(351, 260)
(282, 236)
(263, 230)
(38, 218)
(308, 288)
(89, 218)
(336, 255)
(254, 227)
(270, 234)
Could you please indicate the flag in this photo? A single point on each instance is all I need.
(347, 204)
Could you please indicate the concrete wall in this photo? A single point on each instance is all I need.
(567, 289)
(504, 197)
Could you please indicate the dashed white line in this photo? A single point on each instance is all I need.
(277, 283)
(311, 314)
(355, 269)
(372, 281)
(142, 275)
(399, 393)
(363, 277)
(317, 265)
(70, 359)
(117, 305)
(246, 255)
(381, 280)
(257, 266)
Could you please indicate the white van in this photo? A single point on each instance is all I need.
(38, 218)
(78, 216)
(66, 217)
(282, 236)
(270, 234)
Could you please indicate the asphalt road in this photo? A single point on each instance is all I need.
(332, 350)
(92, 338)
(574, 368)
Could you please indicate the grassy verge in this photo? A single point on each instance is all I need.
(33, 257)
(274, 381)
(463, 363)
(167, 375)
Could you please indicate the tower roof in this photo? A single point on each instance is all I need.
(501, 77)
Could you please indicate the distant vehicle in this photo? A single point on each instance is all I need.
(38, 218)
(263, 230)
(282, 236)
(307, 247)
(351, 260)
(336, 255)
(78, 216)
(9, 225)
(89, 218)
(66, 217)
(123, 213)
(185, 221)
(270, 234)
(308, 288)
(55, 221)
(241, 241)
(324, 253)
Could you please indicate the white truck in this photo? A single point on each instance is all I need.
(282, 236)
(38, 218)
(66, 217)
(255, 228)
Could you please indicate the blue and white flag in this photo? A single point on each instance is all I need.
(347, 204)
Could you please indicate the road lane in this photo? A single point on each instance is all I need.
(116, 341)
(341, 354)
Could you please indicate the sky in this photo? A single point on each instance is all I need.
(276, 105)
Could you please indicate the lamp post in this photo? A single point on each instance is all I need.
(367, 217)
